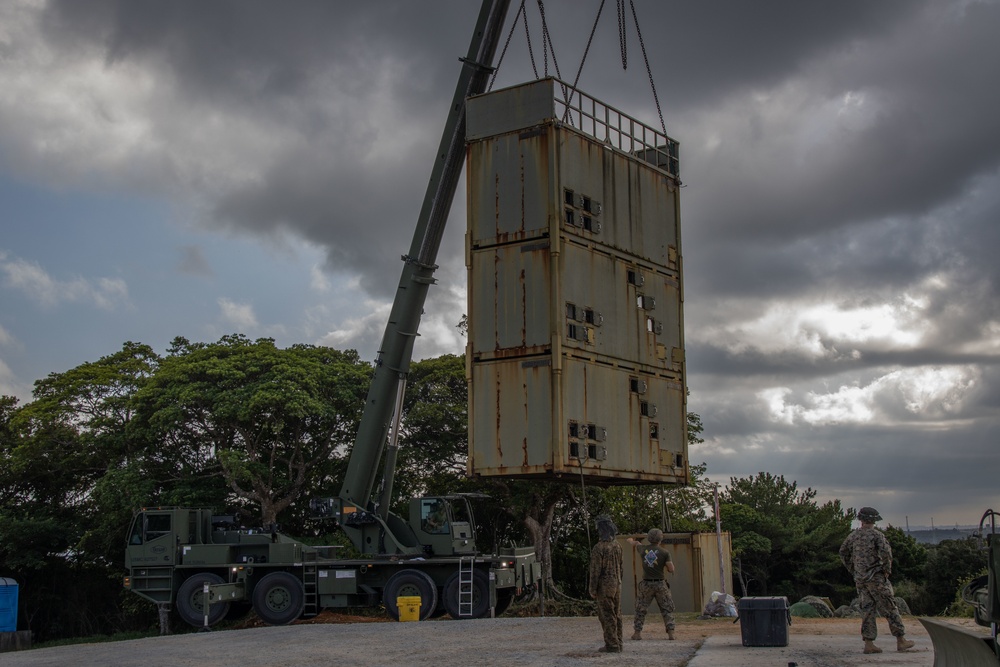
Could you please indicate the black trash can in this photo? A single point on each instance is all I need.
(764, 621)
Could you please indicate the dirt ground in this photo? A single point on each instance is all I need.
(561, 641)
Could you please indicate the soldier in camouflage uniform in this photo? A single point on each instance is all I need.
(606, 583)
(655, 559)
(867, 555)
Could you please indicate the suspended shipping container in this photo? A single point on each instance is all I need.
(576, 341)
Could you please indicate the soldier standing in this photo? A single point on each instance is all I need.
(606, 583)
(655, 559)
(868, 557)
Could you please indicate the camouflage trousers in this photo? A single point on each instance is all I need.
(609, 612)
(648, 590)
(877, 596)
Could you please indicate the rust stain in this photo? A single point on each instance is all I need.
(499, 439)
(496, 302)
(496, 202)
(524, 308)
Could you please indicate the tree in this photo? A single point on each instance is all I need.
(784, 542)
(909, 557)
(434, 442)
(274, 420)
(61, 531)
(949, 563)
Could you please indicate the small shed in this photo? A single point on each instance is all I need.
(696, 569)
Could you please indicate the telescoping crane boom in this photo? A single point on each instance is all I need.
(382, 407)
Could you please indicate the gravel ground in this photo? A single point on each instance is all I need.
(489, 642)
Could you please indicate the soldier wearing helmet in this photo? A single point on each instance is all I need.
(606, 583)
(655, 559)
(867, 555)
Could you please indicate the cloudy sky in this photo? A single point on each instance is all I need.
(203, 168)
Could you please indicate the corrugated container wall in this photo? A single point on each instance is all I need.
(576, 339)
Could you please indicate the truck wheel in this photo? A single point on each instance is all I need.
(480, 595)
(410, 583)
(190, 600)
(278, 598)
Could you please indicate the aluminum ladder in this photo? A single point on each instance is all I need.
(465, 587)
(309, 582)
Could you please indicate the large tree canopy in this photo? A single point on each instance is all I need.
(275, 421)
(784, 542)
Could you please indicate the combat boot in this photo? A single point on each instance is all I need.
(670, 635)
(637, 635)
(870, 647)
(902, 643)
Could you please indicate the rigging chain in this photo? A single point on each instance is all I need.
(649, 72)
(547, 44)
(620, 6)
(503, 52)
(569, 102)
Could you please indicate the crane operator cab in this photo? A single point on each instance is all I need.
(444, 523)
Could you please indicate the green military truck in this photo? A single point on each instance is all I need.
(175, 554)
(206, 568)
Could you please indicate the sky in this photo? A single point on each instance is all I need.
(200, 169)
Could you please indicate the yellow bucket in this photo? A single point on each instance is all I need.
(409, 607)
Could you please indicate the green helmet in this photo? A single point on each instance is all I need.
(869, 514)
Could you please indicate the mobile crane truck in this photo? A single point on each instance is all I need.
(202, 566)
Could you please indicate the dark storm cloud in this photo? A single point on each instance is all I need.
(287, 66)
(243, 49)
(261, 60)
(871, 204)
(840, 211)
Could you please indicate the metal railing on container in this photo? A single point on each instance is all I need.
(617, 129)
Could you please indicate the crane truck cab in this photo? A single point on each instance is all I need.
(444, 524)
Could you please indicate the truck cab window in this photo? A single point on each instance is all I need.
(157, 525)
(434, 517)
(136, 536)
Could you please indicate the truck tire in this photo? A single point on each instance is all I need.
(278, 598)
(190, 603)
(410, 583)
(480, 595)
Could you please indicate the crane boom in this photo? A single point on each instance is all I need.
(393, 361)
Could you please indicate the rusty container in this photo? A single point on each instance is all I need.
(576, 339)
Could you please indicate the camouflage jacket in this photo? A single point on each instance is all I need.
(605, 568)
(866, 553)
